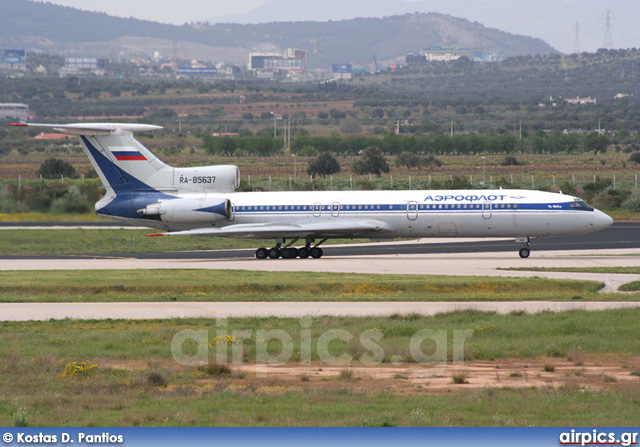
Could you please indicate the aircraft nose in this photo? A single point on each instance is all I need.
(601, 220)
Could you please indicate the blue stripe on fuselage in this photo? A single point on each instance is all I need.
(388, 208)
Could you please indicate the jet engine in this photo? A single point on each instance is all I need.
(188, 210)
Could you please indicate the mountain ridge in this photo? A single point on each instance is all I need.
(48, 27)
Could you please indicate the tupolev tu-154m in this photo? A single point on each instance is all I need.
(201, 201)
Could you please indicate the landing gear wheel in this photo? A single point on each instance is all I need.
(262, 253)
(304, 252)
(316, 252)
(274, 253)
(524, 252)
(289, 253)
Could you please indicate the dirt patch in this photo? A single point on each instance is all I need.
(591, 374)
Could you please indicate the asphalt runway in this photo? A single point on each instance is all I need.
(622, 235)
(617, 246)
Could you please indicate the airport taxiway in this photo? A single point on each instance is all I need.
(618, 246)
(102, 311)
(476, 264)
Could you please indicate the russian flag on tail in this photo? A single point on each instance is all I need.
(127, 153)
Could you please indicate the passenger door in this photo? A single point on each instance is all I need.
(486, 210)
(412, 210)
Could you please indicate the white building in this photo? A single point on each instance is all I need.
(14, 111)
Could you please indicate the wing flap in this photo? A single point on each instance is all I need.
(286, 230)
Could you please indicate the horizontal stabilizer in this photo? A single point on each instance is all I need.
(92, 128)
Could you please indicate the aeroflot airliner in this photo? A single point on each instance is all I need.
(200, 201)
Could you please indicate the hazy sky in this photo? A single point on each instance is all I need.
(552, 20)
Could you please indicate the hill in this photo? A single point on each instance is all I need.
(48, 27)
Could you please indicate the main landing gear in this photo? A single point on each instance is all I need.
(289, 252)
(524, 251)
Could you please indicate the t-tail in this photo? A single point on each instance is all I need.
(134, 178)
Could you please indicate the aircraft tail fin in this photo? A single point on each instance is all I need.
(122, 162)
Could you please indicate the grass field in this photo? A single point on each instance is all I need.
(135, 382)
(240, 285)
(120, 240)
(108, 241)
(621, 270)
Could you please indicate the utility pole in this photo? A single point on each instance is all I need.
(274, 126)
(576, 44)
(608, 38)
(295, 168)
(521, 130)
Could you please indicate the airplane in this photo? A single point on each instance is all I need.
(201, 201)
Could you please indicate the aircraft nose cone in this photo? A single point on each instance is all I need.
(601, 220)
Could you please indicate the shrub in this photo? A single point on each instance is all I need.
(56, 167)
(20, 418)
(215, 370)
(635, 157)
(346, 374)
(79, 369)
(156, 379)
(633, 201)
(510, 161)
(459, 378)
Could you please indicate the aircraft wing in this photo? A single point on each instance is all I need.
(348, 228)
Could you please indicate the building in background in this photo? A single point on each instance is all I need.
(439, 54)
(84, 67)
(292, 60)
(487, 56)
(13, 60)
(341, 71)
(578, 100)
(11, 111)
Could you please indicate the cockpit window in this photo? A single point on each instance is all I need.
(581, 205)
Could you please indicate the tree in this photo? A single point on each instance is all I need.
(635, 157)
(415, 161)
(351, 126)
(595, 142)
(408, 160)
(55, 167)
(510, 160)
(372, 162)
(325, 164)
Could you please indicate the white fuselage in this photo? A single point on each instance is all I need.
(409, 214)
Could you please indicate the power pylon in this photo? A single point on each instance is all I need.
(608, 38)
